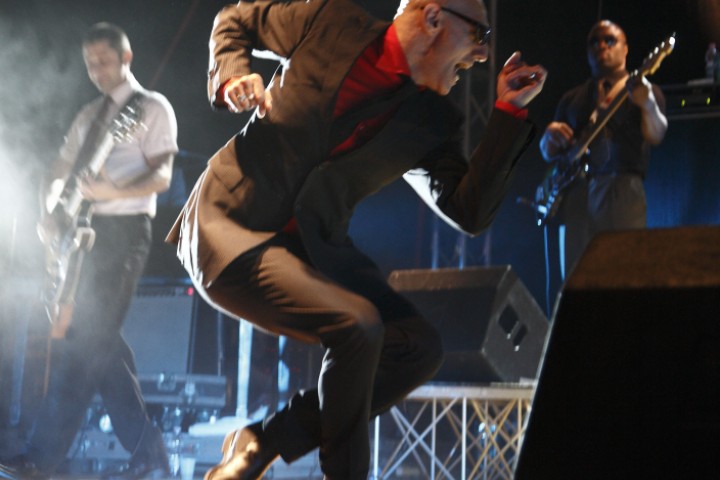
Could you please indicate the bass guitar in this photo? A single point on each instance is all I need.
(66, 232)
(573, 163)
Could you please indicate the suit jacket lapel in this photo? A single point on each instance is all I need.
(331, 191)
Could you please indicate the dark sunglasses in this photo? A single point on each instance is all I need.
(610, 41)
(482, 31)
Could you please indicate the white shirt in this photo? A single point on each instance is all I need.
(157, 135)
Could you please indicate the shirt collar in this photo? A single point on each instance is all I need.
(392, 58)
(121, 94)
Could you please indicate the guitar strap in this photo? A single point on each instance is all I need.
(606, 98)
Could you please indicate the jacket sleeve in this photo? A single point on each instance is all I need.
(467, 195)
(261, 26)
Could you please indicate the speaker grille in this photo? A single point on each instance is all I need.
(158, 328)
(492, 329)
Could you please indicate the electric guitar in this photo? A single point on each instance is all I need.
(573, 163)
(67, 232)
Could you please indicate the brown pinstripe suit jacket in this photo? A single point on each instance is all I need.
(277, 167)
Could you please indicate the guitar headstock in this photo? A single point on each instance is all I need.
(654, 59)
(127, 122)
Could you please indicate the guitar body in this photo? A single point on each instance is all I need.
(551, 191)
(64, 254)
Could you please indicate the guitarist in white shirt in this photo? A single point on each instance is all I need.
(612, 195)
(88, 354)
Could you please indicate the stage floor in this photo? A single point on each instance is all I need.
(423, 437)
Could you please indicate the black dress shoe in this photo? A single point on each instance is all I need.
(246, 455)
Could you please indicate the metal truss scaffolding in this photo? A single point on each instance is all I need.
(452, 432)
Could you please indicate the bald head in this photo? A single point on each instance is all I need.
(603, 25)
(420, 4)
(441, 38)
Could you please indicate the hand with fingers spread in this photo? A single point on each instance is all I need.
(518, 83)
(247, 92)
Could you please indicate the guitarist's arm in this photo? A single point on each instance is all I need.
(155, 179)
(53, 180)
(651, 103)
(51, 185)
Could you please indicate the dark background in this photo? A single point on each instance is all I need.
(44, 83)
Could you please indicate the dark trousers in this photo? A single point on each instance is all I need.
(93, 356)
(602, 203)
(377, 348)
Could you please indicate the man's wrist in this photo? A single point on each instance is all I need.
(515, 111)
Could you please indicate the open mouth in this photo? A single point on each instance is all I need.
(457, 71)
(460, 67)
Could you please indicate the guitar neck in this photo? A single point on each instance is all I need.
(591, 134)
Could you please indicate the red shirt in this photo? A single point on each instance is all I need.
(380, 69)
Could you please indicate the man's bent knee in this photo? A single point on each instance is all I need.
(361, 325)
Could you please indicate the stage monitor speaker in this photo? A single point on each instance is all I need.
(492, 329)
(158, 328)
(629, 385)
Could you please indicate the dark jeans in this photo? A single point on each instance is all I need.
(377, 349)
(93, 356)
